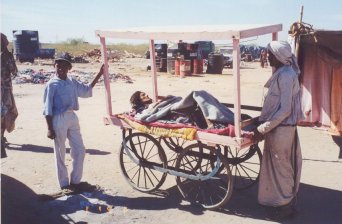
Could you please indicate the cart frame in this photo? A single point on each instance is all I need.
(209, 162)
(228, 32)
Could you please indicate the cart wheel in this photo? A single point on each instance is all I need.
(224, 152)
(201, 182)
(245, 167)
(140, 154)
(176, 145)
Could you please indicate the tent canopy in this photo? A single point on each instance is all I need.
(203, 32)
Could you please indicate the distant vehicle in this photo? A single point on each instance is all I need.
(205, 48)
(46, 53)
(227, 56)
(160, 50)
(25, 45)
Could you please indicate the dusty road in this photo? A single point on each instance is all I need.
(29, 169)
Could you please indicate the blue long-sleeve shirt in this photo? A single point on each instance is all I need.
(282, 103)
(62, 95)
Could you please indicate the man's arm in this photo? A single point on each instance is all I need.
(96, 79)
(51, 133)
(49, 92)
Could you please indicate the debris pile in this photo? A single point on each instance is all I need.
(42, 76)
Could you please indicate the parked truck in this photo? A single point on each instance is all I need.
(205, 48)
(26, 46)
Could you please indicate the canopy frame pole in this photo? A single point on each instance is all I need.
(106, 75)
(153, 70)
(237, 94)
(275, 36)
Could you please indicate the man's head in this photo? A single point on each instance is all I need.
(280, 53)
(4, 42)
(139, 99)
(63, 64)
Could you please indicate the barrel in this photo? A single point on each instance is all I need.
(185, 68)
(197, 66)
(177, 67)
(171, 65)
(215, 63)
(25, 45)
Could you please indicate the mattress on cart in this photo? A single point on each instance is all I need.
(180, 130)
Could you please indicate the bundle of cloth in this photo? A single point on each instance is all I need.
(199, 110)
(209, 106)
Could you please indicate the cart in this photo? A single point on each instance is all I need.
(207, 166)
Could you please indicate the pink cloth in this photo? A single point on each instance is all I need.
(316, 88)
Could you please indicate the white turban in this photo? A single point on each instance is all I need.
(282, 51)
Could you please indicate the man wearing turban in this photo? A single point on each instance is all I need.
(282, 161)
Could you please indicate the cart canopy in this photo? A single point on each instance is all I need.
(202, 32)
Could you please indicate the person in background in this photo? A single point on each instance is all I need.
(282, 160)
(60, 101)
(9, 112)
(263, 58)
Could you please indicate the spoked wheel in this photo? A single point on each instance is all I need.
(201, 182)
(223, 151)
(176, 145)
(140, 156)
(245, 166)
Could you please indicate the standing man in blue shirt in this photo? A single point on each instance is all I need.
(60, 101)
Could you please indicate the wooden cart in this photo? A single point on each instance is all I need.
(208, 168)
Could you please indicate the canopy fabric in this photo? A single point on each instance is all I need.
(320, 61)
(203, 32)
(326, 41)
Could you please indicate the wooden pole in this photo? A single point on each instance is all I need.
(153, 70)
(301, 14)
(106, 75)
(236, 78)
(297, 38)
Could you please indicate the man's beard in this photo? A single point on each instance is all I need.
(148, 101)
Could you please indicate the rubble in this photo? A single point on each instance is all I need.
(42, 76)
(95, 56)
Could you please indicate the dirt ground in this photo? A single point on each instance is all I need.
(29, 169)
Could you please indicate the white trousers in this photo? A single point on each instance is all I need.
(66, 125)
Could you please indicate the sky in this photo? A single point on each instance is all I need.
(57, 21)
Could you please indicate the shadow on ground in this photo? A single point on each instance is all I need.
(19, 203)
(338, 141)
(44, 149)
(315, 204)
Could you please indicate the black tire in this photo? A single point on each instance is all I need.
(138, 154)
(212, 192)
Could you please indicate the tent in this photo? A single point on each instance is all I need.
(320, 61)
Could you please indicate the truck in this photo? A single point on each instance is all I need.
(205, 48)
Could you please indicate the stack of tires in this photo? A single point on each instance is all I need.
(215, 63)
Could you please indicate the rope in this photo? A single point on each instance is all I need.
(302, 28)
